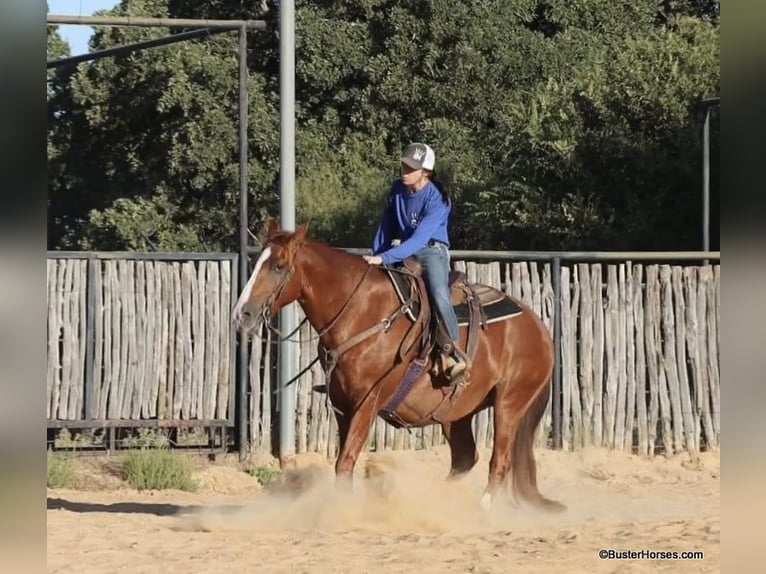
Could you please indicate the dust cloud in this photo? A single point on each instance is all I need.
(398, 492)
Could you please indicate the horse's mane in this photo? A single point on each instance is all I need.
(331, 250)
(410, 266)
(345, 259)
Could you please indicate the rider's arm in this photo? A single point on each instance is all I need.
(385, 233)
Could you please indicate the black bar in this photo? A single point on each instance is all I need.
(90, 336)
(243, 224)
(126, 49)
(156, 22)
(556, 395)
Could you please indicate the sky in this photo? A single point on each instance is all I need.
(78, 36)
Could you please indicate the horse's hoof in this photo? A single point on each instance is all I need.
(486, 501)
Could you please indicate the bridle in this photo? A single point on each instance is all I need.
(266, 309)
(269, 303)
(331, 355)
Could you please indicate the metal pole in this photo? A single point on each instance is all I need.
(556, 390)
(119, 50)
(155, 22)
(243, 379)
(93, 267)
(287, 317)
(231, 412)
(706, 182)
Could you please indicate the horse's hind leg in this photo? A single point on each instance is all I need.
(517, 414)
(508, 409)
(462, 446)
(524, 466)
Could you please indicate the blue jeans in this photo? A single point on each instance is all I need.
(435, 262)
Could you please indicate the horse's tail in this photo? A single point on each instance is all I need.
(523, 466)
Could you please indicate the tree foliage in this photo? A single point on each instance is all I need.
(557, 124)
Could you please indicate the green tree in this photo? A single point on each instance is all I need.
(155, 165)
(57, 48)
(557, 124)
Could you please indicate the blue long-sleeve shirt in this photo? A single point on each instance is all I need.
(413, 218)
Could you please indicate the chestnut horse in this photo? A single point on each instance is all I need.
(344, 299)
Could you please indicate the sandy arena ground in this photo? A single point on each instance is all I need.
(407, 519)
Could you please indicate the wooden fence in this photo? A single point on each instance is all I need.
(134, 339)
(639, 359)
(140, 340)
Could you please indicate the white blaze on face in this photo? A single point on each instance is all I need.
(265, 254)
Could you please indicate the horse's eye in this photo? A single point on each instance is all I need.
(278, 268)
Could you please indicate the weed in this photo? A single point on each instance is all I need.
(158, 469)
(265, 474)
(61, 471)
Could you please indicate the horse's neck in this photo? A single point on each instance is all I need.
(334, 282)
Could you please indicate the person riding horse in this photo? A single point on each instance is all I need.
(360, 348)
(414, 224)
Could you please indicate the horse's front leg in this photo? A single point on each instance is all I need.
(343, 420)
(353, 431)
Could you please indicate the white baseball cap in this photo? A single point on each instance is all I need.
(419, 156)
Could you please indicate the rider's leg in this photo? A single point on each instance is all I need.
(435, 261)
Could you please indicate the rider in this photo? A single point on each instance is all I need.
(417, 213)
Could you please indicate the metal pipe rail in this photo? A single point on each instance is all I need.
(156, 22)
(481, 255)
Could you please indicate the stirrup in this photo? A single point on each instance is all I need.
(457, 370)
(452, 368)
(456, 373)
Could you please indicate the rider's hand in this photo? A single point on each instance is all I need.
(373, 259)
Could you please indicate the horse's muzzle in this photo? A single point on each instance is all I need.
(246, 318)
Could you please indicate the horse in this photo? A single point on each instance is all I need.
(368, 344)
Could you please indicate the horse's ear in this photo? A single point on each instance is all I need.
(300, 233)
(272, 227)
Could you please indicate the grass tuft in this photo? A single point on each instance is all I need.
(61, 471)
(158, 469)
(265, 475)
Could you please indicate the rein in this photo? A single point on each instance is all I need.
(266, 314)
(332, 355)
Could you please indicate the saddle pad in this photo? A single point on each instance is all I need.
(496, 311)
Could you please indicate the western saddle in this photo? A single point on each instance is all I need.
(434, 340)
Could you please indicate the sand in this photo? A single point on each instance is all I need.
(403, 518)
